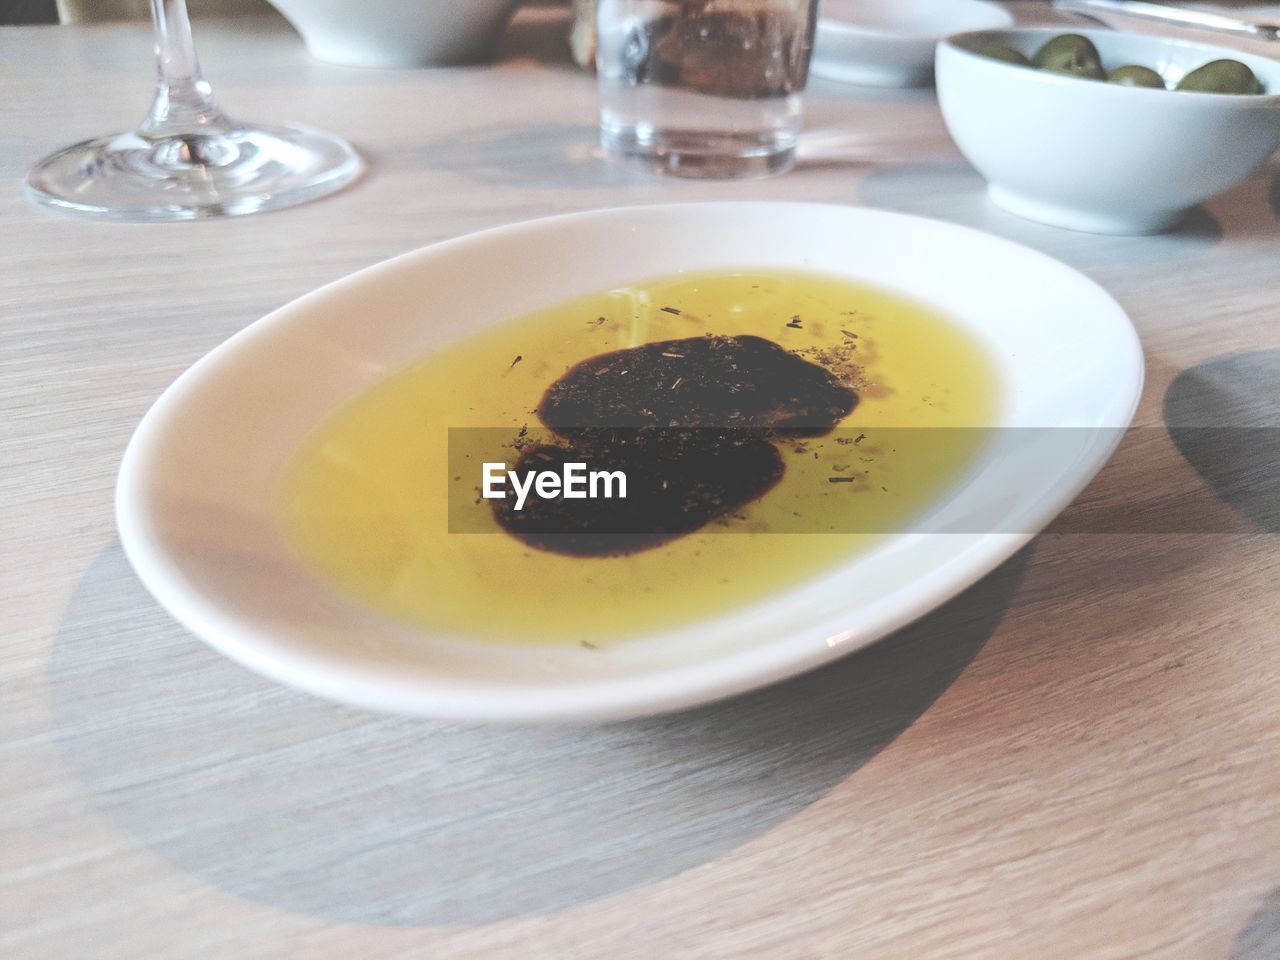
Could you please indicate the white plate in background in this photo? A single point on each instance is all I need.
(890, 43)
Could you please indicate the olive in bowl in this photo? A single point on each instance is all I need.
(1222, 76)
(1072, 54)
(1135, 75)
(1120, 158)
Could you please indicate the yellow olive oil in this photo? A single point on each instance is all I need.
(367, 499)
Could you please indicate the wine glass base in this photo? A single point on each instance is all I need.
(140, 176)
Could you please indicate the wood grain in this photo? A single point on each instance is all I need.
(1079, 758)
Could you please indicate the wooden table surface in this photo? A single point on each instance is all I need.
(1077, 758)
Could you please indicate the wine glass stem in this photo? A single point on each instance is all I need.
(184, 104)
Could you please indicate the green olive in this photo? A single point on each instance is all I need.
(1136, 76)
(1072, 54)
(1221, 76)
(998, 51)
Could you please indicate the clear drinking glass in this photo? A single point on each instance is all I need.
(187, 159)
(703, 88)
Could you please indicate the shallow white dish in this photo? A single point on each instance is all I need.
(891, 43)
(1096, 156)
(393, 33)
(194, 497)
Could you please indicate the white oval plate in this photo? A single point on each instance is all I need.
(891, 43)
(194, 497)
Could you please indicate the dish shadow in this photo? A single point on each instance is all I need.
(1224, 417)
(952, 190)
(325, 810)
(1260, 938)
(1128, 497)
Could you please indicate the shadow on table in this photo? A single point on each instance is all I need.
(1224, 417)
(1129, 497)
(1260, 938)
(820, 89)
(551, 156)
(953, 190)
(840, 147)
(324, 810)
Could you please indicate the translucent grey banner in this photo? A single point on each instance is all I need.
(535, 483)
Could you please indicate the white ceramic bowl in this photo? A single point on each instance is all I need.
(1096, 156)
(399, 33)
(197, 498)
(890, 43)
